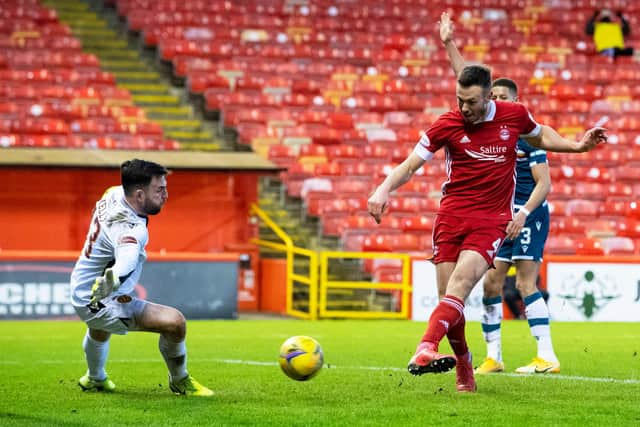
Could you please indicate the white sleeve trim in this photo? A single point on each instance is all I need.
(421, 148)
(535, 132)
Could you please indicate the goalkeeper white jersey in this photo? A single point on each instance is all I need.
(117, 238)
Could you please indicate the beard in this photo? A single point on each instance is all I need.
(151, 208)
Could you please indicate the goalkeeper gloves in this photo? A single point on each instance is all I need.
(102, 288)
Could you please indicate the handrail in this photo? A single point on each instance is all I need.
(290, 250)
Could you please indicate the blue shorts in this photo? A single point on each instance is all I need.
(529, 245)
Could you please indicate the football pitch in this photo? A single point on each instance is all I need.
(364, 380)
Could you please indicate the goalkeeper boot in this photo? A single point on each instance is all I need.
(427, 360)
(87, 383)
(489, 366)
(189, 386)
(465, 382)
(540, 366)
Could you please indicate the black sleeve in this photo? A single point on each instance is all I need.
(589, 28)
(626, 29)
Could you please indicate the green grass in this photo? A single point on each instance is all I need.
(364, 381)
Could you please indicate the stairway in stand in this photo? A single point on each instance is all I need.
(102, 34)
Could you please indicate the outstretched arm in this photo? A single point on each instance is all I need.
(550, 140)
(446, 35)
(377, 203)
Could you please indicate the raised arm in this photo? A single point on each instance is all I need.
(446, 35)
(550, 140)
(402, 173)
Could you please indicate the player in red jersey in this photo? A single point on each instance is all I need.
(480, 143)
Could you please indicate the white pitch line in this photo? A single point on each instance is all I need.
(332, 366)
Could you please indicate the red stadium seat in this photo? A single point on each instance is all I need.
(360, 169)
(560, 245)
(618, 245)
(582, 208)
(282, 155)
(343, 152)
(333, 224)
(589, 246)
(614, 208)
(568, 226)
(628, 227)
(418, 223)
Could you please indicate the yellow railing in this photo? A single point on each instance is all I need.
(404, 287)
(291, 251)
(326, 286)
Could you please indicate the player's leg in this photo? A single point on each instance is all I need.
(443, 273)
(478, 250)
(171, 325)
(537, 314)
(492, 315)
(472, 266)
(426, 358)
(447, 238)
(101, 323)
(96, 350)
(448, 317)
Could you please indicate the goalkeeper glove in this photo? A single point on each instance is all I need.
(103, 287)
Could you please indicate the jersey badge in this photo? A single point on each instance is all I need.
(465, 140)
(124, 299)
(504, 133)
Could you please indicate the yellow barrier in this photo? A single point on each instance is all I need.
(403, 287)
(290, 250)
(326, 286)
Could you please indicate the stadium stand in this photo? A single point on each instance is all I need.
(339, 91)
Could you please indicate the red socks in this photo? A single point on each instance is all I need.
(447, 319)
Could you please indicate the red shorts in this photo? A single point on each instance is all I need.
(453, 234)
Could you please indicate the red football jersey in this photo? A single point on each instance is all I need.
(481, 159)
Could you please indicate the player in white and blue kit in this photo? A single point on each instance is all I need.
(524, 244)
(105, 275)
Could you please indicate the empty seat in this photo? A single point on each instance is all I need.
(582, 207)
(589, 246)
(618, 245)
(628, 227)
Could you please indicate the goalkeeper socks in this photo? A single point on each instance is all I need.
(96, 353)
(491, 326)
(538, 317)
(447, 313)
(175, 356)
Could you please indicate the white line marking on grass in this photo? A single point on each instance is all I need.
(332, 366)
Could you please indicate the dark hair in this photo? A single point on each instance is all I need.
(475, 75)
(508, 83)
(138, 173)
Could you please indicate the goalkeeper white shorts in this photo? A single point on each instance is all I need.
(116, 314)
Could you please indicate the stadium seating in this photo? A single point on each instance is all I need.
(365, 88)
(55, 95)
(342, 98)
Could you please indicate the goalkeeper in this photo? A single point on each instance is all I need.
(105, 275)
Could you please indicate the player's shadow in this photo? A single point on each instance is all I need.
(10, 418)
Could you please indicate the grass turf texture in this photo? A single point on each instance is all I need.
(364, 380)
